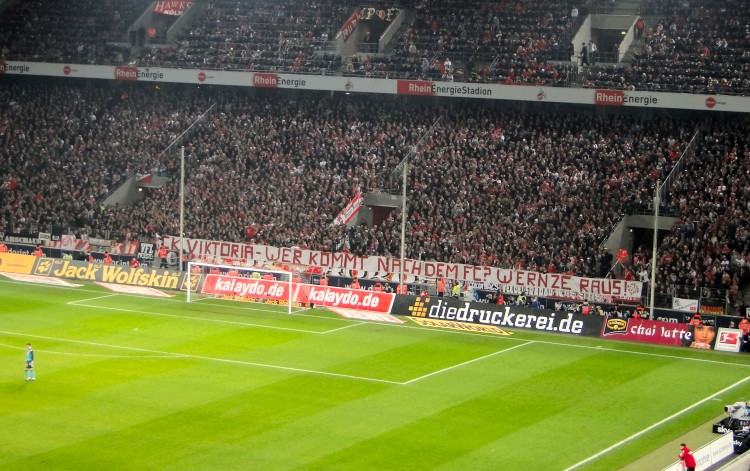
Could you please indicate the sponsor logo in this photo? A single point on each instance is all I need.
(643, 330)
(133, 73)
(193, 280)
(265, 80)
(462, 326)
(44, 267)
(201, 77)
(418, 309)
(414, 87)
(16, 69)
(345, 298)
(488, 314)
(620, 98)
(67, 70)
(245, 288)
(712, 103)
(615, 326)
(349, 86)
(731, 338)
(126, 73)
(722, 429)
(609, 97)
(164, 279)
(541, 96)
(462, 90)
(16, 263)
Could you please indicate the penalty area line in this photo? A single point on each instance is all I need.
(91, 355)
(466, 363)
(207, 358)
(345, 327)
(74, 303)
(218, 321)
(658, 424)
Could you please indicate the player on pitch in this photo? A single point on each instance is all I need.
(30, 373)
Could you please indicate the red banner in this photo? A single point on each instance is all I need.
(235, 287)
(415, 87)
(345, 298)
(548, 285)
(172, 7)
(647, 331)
(351, 24)
(349, 211)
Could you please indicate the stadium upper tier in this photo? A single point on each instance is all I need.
(697, 46)
(494, 185)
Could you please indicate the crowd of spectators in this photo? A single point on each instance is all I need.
(277, 35)
(74, 31)
(708, 252)
(63, 148)
(476, 41)
(697, 46)
(492, 187)
(535, 190)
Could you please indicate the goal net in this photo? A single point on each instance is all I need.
(243, 284)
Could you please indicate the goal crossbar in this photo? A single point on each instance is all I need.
(240, 283)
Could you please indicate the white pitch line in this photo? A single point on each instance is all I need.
(90, 299)
(658, 424)
(656, 355)
(218, 321)
(442, 331)
(465, 363)
(152, 298)
(342, 328)
(206, 358)
(136, 357)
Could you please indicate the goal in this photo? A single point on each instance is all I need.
(245, 284)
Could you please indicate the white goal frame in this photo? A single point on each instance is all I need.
(287, 278)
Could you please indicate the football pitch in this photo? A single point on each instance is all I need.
(134, 382)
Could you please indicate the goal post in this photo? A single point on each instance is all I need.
(238, 283)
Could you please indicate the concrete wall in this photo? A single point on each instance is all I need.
(741, 463)
(622, 22)
(621, 235)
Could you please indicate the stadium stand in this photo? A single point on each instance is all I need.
(524, 189)
(475, 41)
(78, 32)
(697, 46)
(259, 35)
(499, 185)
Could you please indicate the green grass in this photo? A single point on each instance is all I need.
(128, 382)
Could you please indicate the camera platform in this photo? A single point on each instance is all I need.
(740, 427)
